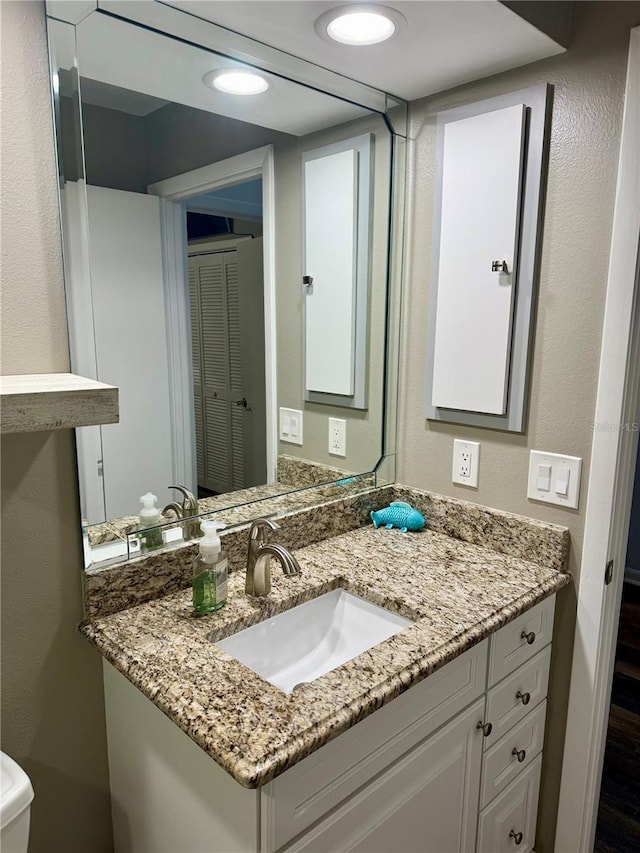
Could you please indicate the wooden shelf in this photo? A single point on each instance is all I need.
(46, 401)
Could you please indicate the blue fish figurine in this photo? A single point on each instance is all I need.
(398, 514)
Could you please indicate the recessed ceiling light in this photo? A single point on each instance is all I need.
(361, 28)
(359, 24)
(235, 82)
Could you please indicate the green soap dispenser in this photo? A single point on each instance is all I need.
(210, 571)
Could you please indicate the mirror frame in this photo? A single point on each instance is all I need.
(201, 33)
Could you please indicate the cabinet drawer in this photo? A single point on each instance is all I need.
(306, 792)
(520, 640)
(512, 754)
(505, 707)
(508, 825)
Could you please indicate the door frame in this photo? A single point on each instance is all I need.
(258, 163)
(615, 443)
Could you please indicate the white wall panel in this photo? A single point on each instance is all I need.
(480, 210)
(330, 254)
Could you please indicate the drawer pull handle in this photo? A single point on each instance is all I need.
(530, 637)
(517, 836)
(520, 754)
(525, 698)
(487, 728)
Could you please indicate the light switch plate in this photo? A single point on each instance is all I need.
(564, 482)
(466, 463)
(290, 425)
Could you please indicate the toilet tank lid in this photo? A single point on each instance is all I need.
(16, 792)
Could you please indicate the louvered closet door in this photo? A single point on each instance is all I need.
(196, 358)
(217, 370)
(236, 378)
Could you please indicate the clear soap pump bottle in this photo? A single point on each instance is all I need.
(150, 517)
(210, 571)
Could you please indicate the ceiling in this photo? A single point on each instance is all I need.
(116, 98)
(133, 60)
(445, 43)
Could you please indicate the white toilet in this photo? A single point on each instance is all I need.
(15, 806)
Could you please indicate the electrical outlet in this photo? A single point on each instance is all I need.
(337, 437)
(291, 425)
(466, 463)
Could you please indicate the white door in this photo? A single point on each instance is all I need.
(427, 802)
(127, 285)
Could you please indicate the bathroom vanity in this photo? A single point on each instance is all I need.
(431, 740)
(420, 774)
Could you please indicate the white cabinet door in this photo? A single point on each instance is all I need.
(330, 205)
(307, 792)
(479, 218)
(426, 802)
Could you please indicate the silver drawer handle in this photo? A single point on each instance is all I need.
(520, 754)
(517, 836)
(487, 728)
(525, 698)
(530, 637)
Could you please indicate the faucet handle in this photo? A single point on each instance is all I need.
(256, 531)
(189, 500)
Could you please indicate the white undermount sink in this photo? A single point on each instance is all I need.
(313, 638)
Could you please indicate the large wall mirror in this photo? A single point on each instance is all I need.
(228, 266)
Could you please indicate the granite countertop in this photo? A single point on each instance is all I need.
(296, 486)
(457, 593)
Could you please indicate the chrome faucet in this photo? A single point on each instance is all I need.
(259, 557)
(186, 510)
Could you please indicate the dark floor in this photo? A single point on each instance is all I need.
(618, 828)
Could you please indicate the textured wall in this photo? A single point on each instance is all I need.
(589, 89)
(52, 700)
(33, 307)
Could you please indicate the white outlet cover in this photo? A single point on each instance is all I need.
(290, 426)
(337, 427)
(559, 465)
(460, 451)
